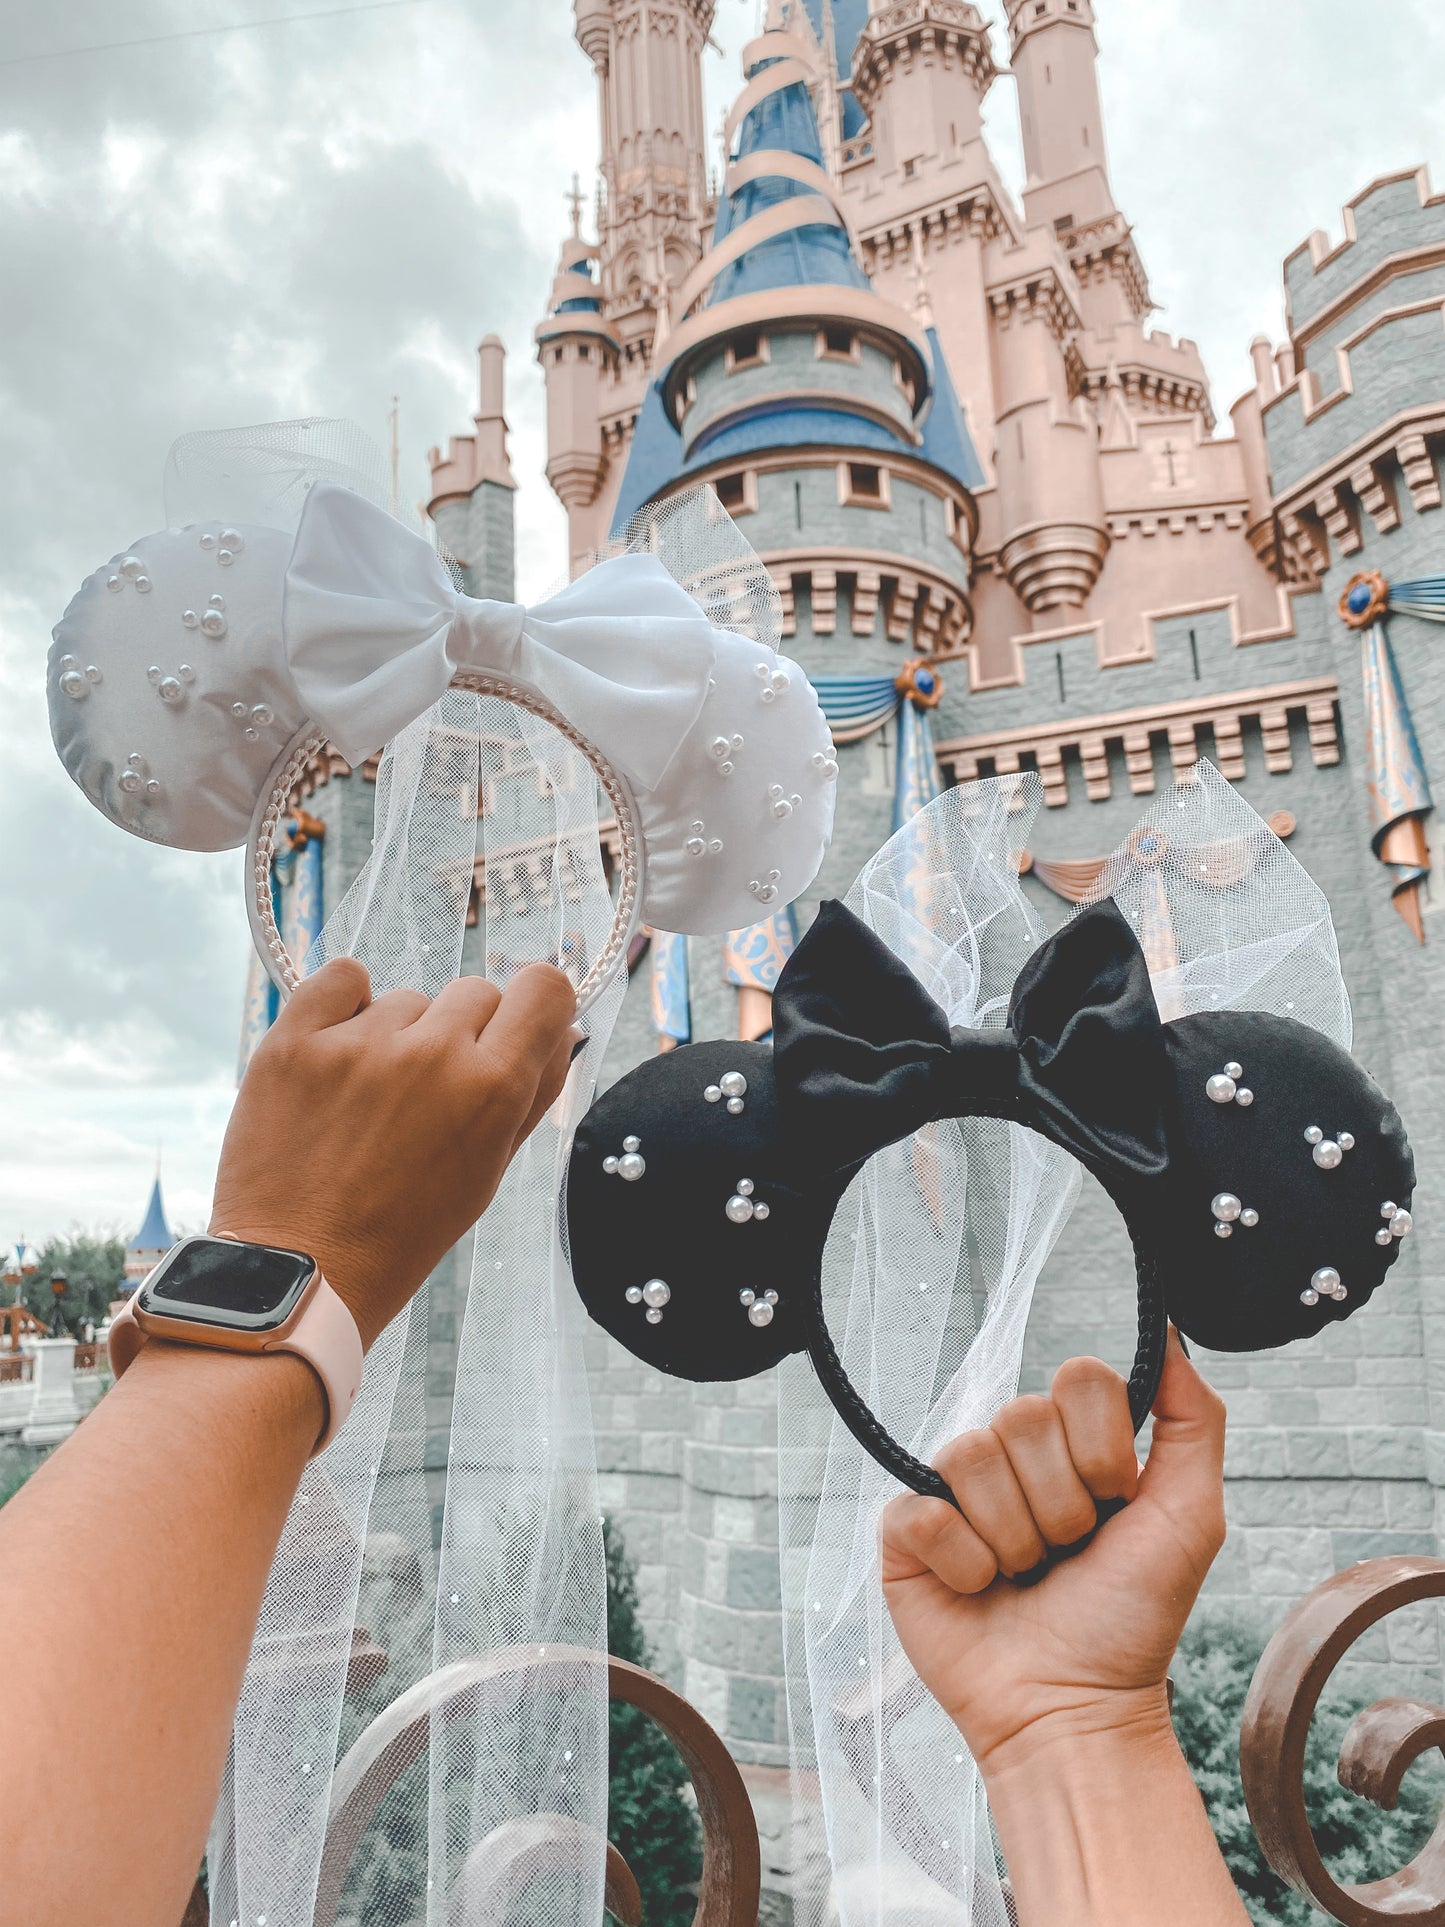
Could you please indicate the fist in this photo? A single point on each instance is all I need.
(373, 1135)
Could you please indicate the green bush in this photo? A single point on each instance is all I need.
(651, 1819)
(1212, 1671)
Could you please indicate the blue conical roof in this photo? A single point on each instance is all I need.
(816, 255)
(849, 19)
(155, 1234)
(946, 440)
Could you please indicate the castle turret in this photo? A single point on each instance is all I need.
(1054, 58)
(580, 352)
(151, 1243)
(472, 487)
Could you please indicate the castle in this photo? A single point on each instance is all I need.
(1009, 532)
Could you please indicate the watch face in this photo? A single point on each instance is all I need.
(215, 1282)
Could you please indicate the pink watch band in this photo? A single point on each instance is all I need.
(325, 1335)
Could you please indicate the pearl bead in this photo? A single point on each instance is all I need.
(1346, 1141)
(231, 539)
(761, 1212)
(830, 770)
(74, 685)
(1244, 1097)
(746, 1297)
(1388, 1210)
(631, 1167)
(715, 847)
(695, 846)
(136, 760)
(189, 619)
(653, 1317)
(782, 808)
(698, 826)
(734, 1084)
(1326, 1281)
(170, 689)
(1220, 1089)
(632, 1144)
(725, 769)
(153, 788)
(1401, 1224)
(225, 558)
(1313, 1134)
(1226, 1206)
(655, 1292)
(761, 671)
(634, 1294)
(720, 747)
(186, 673)
(262, 716)
(609, 1165)
(208, 541)
(218, 602)
(1224, 1231)
(1309, 1297)
(1383, 1236)
(130, 781)
(132, 566)
(766, 893)
(736, 1107)
(1234, 1070)
(143, 585)
(738, 1209)
(153, 674)
(745, 1186)
(114, 582)
(1249, 1219)
(768, 695)
(771, 1297)
(779, 681)
(238, 710)
(213, 623)
(760, 1313)
(1328, 1155)
(713, 1093)
(775, 790)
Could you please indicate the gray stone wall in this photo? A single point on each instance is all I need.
(794, 365)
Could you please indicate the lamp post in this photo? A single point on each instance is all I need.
(59, 1284)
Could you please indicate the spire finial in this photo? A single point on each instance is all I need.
(578, 201)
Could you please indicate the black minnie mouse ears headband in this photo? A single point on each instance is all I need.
(1264, 1178)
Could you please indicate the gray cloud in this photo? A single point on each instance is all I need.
(310, 219)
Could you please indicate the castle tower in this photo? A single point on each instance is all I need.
(151, 1243)
(581, 355)
(472, 487)
(1053, 55)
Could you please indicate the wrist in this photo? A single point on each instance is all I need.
(277, 1386)
(1083, 1736)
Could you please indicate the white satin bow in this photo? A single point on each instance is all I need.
(375, 630)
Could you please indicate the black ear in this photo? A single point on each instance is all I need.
(1303, 1161)
(711, 1216)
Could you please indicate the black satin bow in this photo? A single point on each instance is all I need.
(863, 1055)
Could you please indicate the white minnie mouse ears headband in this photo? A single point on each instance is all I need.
(193, 676)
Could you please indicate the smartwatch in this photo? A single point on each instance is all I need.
(229, 1296)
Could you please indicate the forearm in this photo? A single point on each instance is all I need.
(1102, 1826)
(132, 1568)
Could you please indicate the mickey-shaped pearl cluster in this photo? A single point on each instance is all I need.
(630, 1165)
(228, 545)
(211, 621)
(135, 778)
(1325, 1283)
(75, 683)
(699, 843)
(1328, 1152)
(1228, 1212)
(741, 1207)
(783, 805)
(170, 689)
(654, 1294)
(253, 718)
(1398, 1223)
(724, 749)
(765, 888)
(1225, 1088)
(776, 682)
(826, 765)
(734, 1087)
(759, 1309)
(132, 570)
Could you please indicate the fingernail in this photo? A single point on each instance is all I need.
(577, 1049)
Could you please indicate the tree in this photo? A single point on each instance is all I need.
(1211, 1672)
(652, 1822)
(94, 1268)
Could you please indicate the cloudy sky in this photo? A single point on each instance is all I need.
(216, 228)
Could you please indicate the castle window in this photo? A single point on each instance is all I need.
(746, 351)
(738, 493)
(837, 343)
(863, 485)
(1063, 223)
(584, 352)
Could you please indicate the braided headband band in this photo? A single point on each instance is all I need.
(278, 801)
(1259, 1210)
